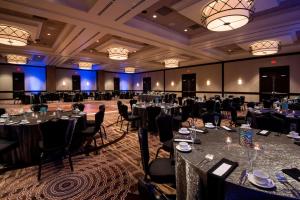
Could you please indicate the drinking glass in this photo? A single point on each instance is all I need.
(251, 155)
(216, 118)
(193, 133)
(249, 121)
(293, 127)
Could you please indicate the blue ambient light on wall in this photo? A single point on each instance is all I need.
(88, 79)
(125, 80)
(35, 78)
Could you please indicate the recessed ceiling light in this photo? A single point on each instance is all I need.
(48, 34)
(185, 30)
(154, 16)
(97, 41)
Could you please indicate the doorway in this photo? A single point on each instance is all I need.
(18, 82)
(188, 85)
(146, 84)
(274, 82)
(76, 86)
(116, 84)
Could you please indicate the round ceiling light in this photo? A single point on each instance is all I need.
(129, 70)
(264, 47)
(226, 15)
(171, 63)
(16, 59)
(118, 53)
(85, 65)
(13, 36)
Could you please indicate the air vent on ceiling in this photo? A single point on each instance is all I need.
(164, 11)
(194, 27)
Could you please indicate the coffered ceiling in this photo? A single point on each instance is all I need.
(64, 32)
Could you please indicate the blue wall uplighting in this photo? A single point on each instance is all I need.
(88, 79)
(35, 78)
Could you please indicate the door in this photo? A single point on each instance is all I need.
(76, 83)
(188, 85)
(274, 82)
(146, 84)
(116, 84)
(18, 82)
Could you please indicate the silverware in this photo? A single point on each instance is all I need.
(243, 174)
(283, 180)
(207, 159)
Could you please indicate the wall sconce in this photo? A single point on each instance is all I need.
(157, 84)
(87, 83)
(172, 83)
(240, 81)
(208, 82)
(137, 84)
(64, 83)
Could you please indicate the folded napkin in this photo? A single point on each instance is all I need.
(293, 173)
(263, 132)
(197, 130)
(228, 129)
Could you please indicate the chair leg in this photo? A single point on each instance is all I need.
(121, 124)
(104, 131)
(118, 119)
(70, 162)
(40, 166)
(95, 144)
(128, 126)
(157, 152)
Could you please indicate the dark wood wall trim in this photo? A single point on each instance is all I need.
(223, 83)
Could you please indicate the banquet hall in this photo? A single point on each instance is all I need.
(150, 99)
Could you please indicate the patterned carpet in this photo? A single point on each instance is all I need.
(110, 175)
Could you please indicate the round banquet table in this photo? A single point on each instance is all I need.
(141, 111)
(29, 135)
(148, 97)
(278, 153)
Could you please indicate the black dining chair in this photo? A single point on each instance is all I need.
(270, 122)
(91, 131)
(57, 135)
(131, 102)
(210, 117)
(119, 103)
(2, 111)
(235, 119)
(80, 106)
(127, 117)
(165, 131)
(152, 113)
(160, 170)
(6, 146)
(183, 116)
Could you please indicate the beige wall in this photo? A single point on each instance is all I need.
(126, 81)
(64, 79)
(35, 79)
(157, 80)
(248, 72)
(213, 73)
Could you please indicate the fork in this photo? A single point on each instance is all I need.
(208, 158)
(283, 180)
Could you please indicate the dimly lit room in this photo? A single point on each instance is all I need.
(150, 99)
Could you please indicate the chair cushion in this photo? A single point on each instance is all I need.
(133, 117)
(7, 145)
(168, 145)
(161, 170)
(89, 131)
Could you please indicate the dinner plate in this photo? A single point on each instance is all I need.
(295, 137)
(210, 126)
(269, 185)
(184, 132)
(183, 150)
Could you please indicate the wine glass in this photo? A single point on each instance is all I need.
(216, 119)
(293, 127)
(251, 155)
(249, 121)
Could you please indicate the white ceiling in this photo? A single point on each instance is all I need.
(119, 21)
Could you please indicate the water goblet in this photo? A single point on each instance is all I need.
(216, 119)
